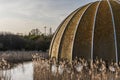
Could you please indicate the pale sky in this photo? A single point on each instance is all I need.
(20, 16)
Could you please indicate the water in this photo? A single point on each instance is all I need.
(28, 71)
(21, 72)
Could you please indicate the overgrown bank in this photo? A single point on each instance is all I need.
(20, 56)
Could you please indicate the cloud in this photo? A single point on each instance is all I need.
(42, 12)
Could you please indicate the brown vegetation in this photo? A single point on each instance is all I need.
(79, 69)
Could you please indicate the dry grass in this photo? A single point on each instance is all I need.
(43, 71)
(19, 56)
(10, 59)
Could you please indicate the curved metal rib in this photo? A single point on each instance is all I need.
(76, 11)
(94, 31)
(117, 1)
(59, 35)
(114, 32)
(56, 34)
(77, 27)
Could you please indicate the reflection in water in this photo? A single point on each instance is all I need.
(21, 72)
(5, 75)
(35, 71)
(41, 73)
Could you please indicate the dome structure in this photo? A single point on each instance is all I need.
(90, 31)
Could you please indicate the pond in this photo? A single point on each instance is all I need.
(21, 72)
(32, 71)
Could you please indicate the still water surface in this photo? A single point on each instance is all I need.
(21, 72)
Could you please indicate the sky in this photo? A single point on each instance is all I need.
(20, 16)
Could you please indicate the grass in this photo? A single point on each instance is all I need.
(9, 59)
(42, 71)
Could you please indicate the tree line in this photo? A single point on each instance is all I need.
(33, 41)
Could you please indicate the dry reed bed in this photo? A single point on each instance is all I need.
(95, 71)
(19, 56)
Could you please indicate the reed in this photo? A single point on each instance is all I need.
(79, 69)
